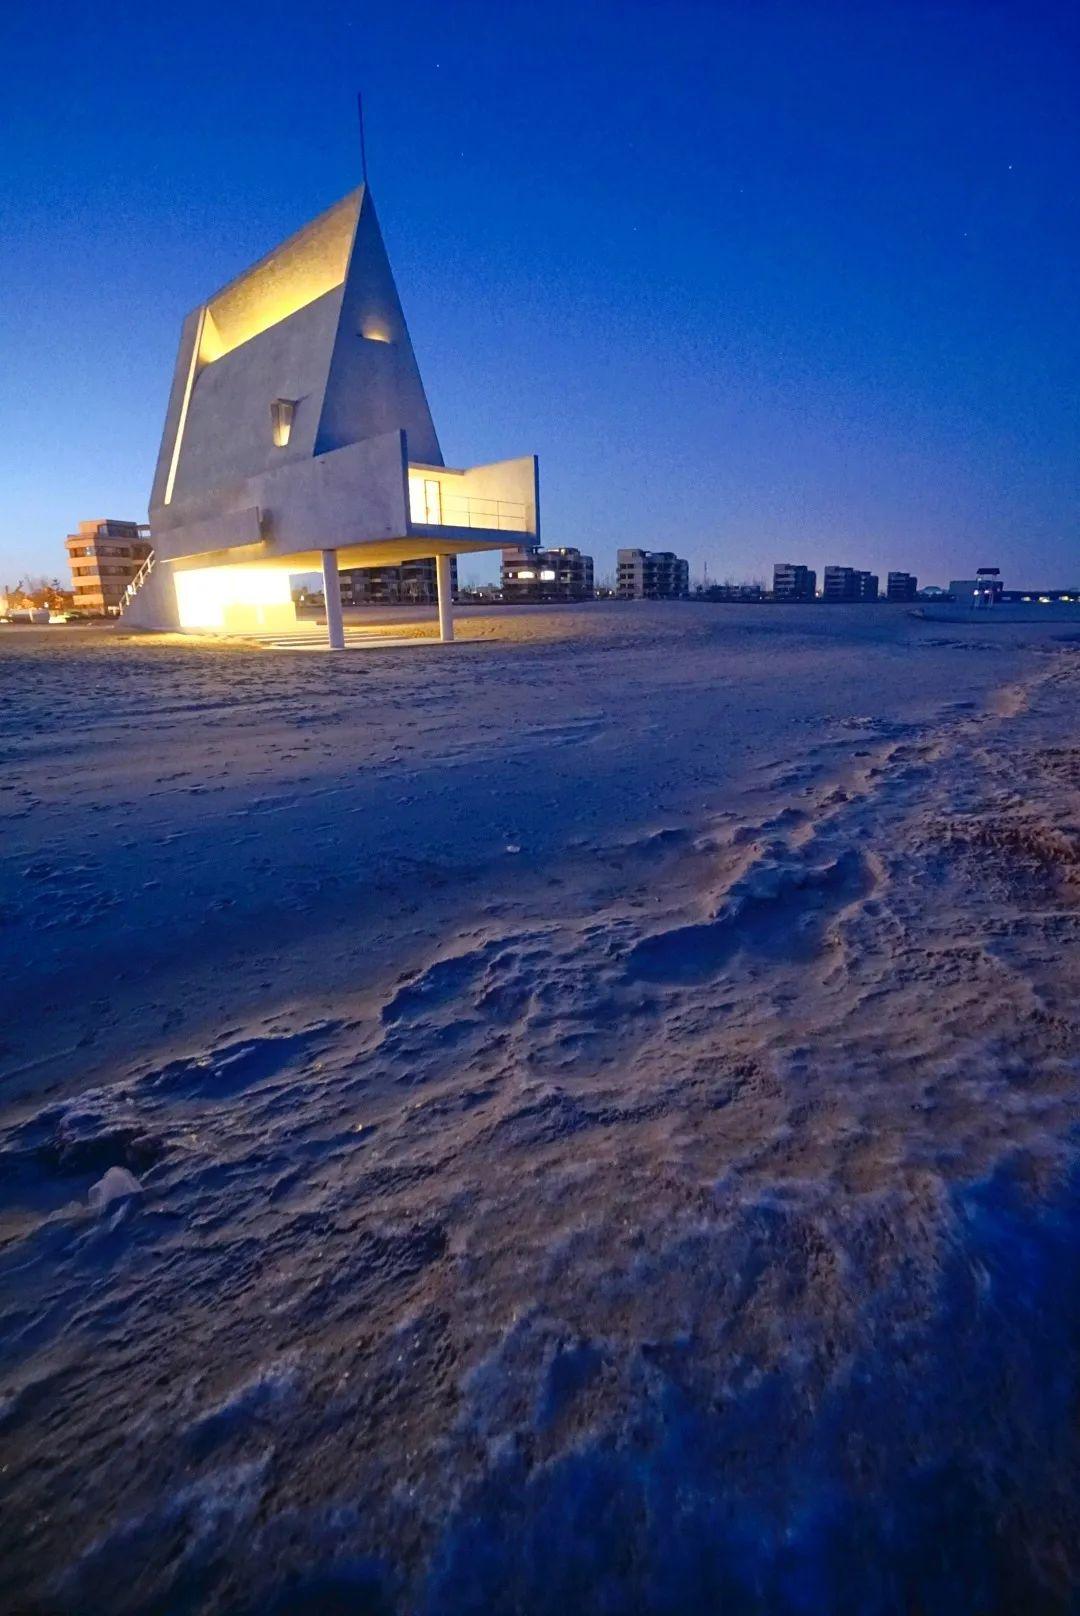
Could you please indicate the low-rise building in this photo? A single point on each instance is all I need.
(901, 586)
(651, 575)
(105, 556)
(413, 583)
(848, 583)
(732, 592)
(562, 574)
(792, 581)
(985, 589)
(1044, 597)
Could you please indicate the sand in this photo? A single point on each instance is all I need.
(604, 1102)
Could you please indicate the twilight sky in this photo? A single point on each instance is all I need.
(756, 281)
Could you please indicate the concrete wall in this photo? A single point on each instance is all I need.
(227, 529)
(517, 482)
(174, 412)
(228, 431)
(374, 383)
(354, 495)
(154, 605)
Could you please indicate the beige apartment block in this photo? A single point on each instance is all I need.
(105, 557)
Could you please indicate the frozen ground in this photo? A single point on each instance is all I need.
(605, 1097)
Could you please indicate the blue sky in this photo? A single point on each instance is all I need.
(757, 282)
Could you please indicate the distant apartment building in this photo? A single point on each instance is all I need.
(651, 575)
(105, 556)
(793, 582)
(848, 583)
(901, 586)
(732, 592)
(562, 574)
(413, 583)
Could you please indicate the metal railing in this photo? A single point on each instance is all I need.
(133, 587)
(462, 510)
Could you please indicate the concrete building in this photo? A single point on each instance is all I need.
(732, 593)
(792, 581)
(105, 557)
(651, 575)
(985, 589)
(298, 438)
(849, 584)
(901, 586)
(563, 574)
(414, 583)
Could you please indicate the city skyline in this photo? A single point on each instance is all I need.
(667, 272)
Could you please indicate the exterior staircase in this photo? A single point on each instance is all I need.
(149, 601)
(136, 583)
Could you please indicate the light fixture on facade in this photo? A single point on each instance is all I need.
(374, 329)
(281, 420)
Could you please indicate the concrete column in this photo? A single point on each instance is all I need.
(446, 598)
(335, 627)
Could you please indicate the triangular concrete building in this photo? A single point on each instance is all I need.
(298, 436)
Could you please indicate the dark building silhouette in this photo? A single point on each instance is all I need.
(651, 575)
(791, 581)
(413, 583)
(563, 574)
(732, 592)
(848, 583)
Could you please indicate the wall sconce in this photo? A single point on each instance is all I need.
(374, 329)
(281, 420)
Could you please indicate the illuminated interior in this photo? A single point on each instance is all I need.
(281, 420)
(235, 599)
(445, 497)
(304, 268)
(425, 500)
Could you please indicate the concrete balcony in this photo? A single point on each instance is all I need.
(487, 500)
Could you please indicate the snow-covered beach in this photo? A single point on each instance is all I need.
(603, 1095)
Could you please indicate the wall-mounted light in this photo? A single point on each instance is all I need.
(374, 329)
(281, 420)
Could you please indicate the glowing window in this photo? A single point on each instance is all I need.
(547, 576)
(281, 420)
(526, 575)
(425, 501)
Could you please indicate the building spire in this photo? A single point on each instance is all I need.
(363, 147)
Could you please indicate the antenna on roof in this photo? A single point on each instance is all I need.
(363, 148)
